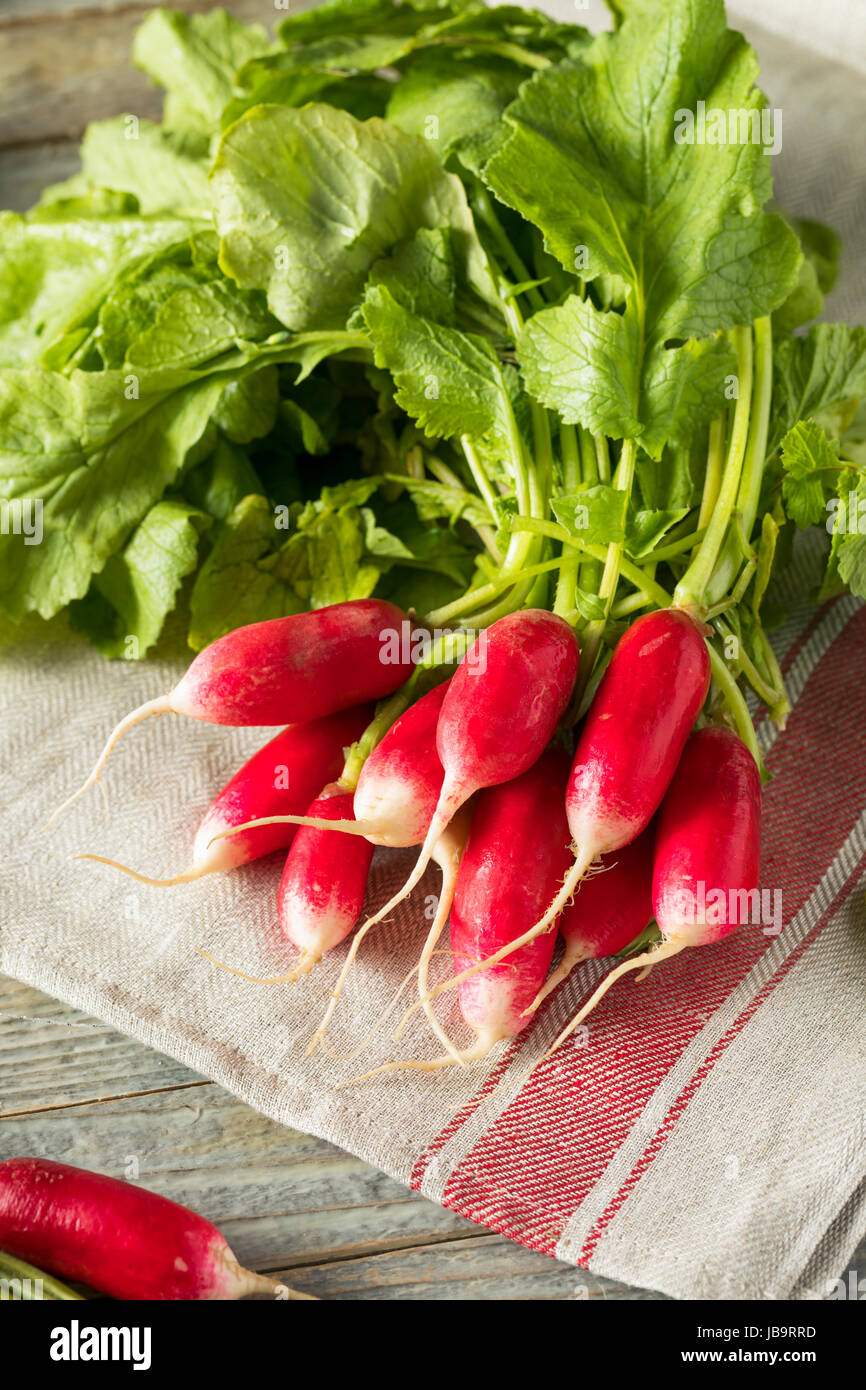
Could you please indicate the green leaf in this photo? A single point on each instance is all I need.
(588, 366)
(811, 464)
(195, 57)
(594, 161)
(849, 546)
(456, 104)
(159, 168)
(595, 514)
(306, 201)
(450, 382)
(240, 582)
(816, 373)
(128, 603)
(70, 443)
(217, 485)
(58, 265)
(419, 274)
(196, 324)
(647, 528)
(248, 407)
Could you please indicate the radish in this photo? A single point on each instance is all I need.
(118, 1238)
(707, 853)
(497, 716)
(287, 773)
(609, 909)
(499, 890)
(398, 785)
(284, 670)
(324, 883)
(646, 703)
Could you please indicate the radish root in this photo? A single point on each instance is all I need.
(162, 705)
(648, 959)
(303, 967)
(346, 827)
(472, 1054)
(573, 956)
(186, 877)
(575, 874)
(437, 825)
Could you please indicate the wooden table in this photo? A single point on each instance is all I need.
(72, 1088)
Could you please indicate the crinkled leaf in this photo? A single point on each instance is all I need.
(195, 57)
(124, 612)
(815, 373)
(157, 167)
(595, 514)
(593, 161)
(811, 463)
(307, 200)
(248, 407)
(450, 382)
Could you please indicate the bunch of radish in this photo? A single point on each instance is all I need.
(656, 800)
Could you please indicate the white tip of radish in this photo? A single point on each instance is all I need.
(186, 877)
(162, 705)
(245, 1282)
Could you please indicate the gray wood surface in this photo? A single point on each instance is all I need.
(71, 1088)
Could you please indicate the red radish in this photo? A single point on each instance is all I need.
(499, 712)
(648, 699)
(284, 670)
(707, 848)
(324, 883)
(284, 775)
(401, 780)
(609, 909)
(398, 786)
(118, 1238)
(500, 888)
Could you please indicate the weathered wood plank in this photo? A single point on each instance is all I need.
(53, 1056)
(59, 70)
(281, 1198)
(26, 169)
(474, 1268)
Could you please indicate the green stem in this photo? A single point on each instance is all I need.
(51, 1290)
(570, 563)
(733, 698)
(610, 577)
(715, 468)
(476, 468)
(692, 588)
(749, 490)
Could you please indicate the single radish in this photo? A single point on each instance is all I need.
(118, 1238)
(284, 775)
(635, 730)
(517, 852)
(398, 786)
(707, 853)
(609, 909)
(324, 883)
(500, 710)
(285, 671)
(401, 781)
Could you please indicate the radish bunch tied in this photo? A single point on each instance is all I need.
(556, 380)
